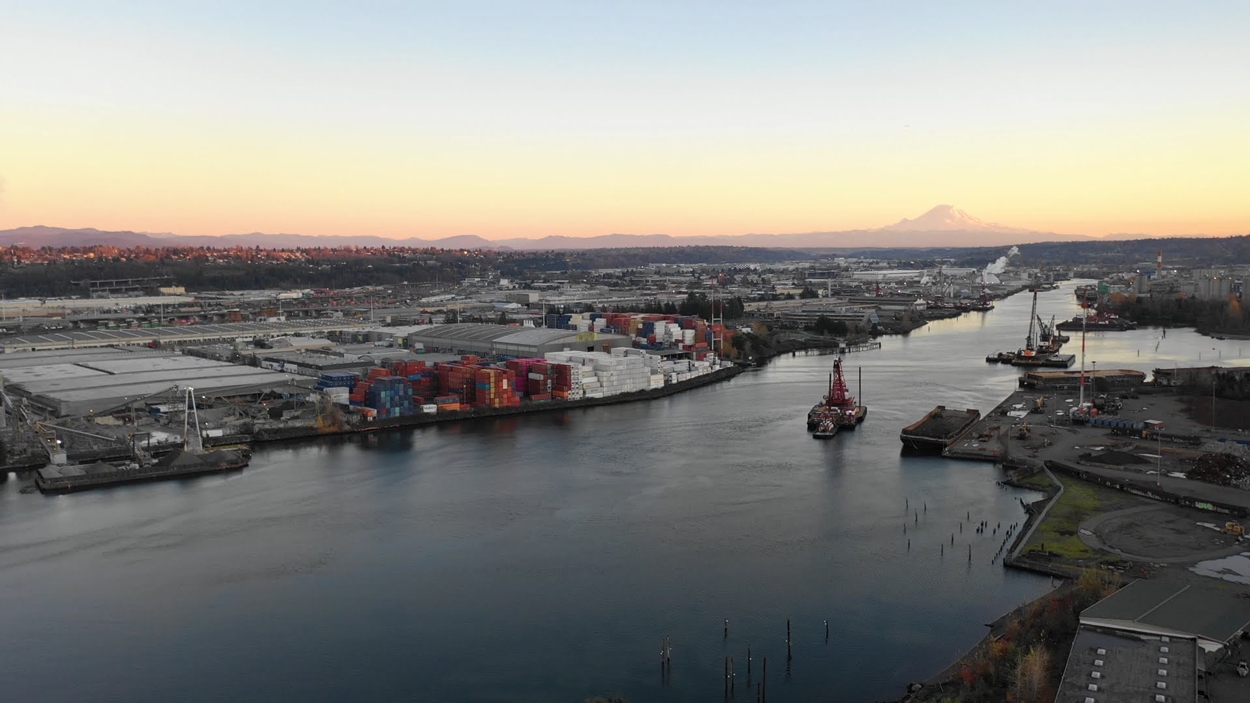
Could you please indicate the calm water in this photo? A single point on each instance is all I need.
(543, 558)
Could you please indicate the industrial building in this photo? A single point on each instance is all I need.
(1110, 666)
(1152, 640)
(513, 341)
(1215, 618)
(174, 335)
(86, 381)
(860, 316)
(1198, 375)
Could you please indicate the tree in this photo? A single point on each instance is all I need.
(808, 292)
(823, 325)
(1032, 674)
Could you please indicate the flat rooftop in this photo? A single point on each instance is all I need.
(85, 383)
(174, 334)
(1128, 668)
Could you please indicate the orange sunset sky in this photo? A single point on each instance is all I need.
(509, 119)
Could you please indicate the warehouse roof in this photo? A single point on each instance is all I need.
(1151, 605)
(503, 334)
(173, 334)
(93, 385)
(1121, 668)
(73, 356)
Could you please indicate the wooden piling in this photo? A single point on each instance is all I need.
(764, 680)
(826, 632)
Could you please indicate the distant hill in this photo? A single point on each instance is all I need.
(942, 226)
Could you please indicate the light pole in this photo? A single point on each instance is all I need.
(1159, 464)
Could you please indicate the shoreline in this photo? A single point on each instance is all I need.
(296, 433)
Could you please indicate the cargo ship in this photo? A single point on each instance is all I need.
(838, 410)
(938, 429)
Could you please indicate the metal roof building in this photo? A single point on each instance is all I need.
(180, 334)
(92, 381)
(503, 340)
(1161, 607)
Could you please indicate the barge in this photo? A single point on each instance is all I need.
(938, 429)
(177, 464)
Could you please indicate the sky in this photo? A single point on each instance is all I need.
(589, 117)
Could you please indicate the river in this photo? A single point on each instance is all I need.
(543, 557)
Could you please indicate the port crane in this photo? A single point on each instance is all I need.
(1031, 341)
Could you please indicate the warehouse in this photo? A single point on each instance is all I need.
(1158, 607)
(179, 334)
(82, 382)
(502, 340)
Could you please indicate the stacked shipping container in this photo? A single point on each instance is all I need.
(390, 396)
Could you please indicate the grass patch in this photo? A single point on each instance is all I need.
(1080, 501)
(1038, 481)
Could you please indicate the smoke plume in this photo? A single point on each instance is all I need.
(990, 274)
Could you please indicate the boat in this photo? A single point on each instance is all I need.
(983, 304)
(176, 464)
(826, 427)
(838, 406)
(938, 429)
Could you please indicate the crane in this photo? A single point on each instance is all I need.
(1029, 342)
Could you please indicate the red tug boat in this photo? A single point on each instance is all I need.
(838, 410)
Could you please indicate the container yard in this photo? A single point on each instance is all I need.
(106, 401)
